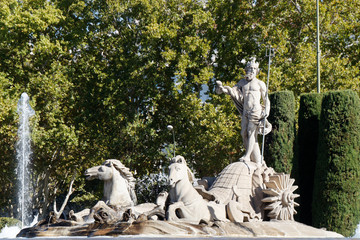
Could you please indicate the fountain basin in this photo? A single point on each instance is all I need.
(287, 229)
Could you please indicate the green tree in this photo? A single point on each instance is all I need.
(128, 94)
(32, 61)
(279, 143)
(245, 28)
(336, 198)
(307, 144)
(7, 142)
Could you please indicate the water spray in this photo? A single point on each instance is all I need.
(23, 153)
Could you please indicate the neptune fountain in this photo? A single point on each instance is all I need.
(247, 198)
(244, 200)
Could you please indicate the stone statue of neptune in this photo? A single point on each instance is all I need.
(247, 95)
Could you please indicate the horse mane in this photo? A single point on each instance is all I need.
(127, 175)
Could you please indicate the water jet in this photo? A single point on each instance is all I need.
(23, 154)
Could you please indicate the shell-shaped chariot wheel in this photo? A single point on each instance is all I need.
(280, 197)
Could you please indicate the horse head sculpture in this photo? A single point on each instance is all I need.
(119, 202)
(177, 172)
(177, 163)
(119, 183)
(186, 204)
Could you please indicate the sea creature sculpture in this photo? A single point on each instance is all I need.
(280, 191)
(119, 202)
(119, 183)
(119, 192)
(234, 189)
(186, 204)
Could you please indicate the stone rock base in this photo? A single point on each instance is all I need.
(288, 229)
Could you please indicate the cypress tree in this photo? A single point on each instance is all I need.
(279, 143)
(336, 199)
(307, 142)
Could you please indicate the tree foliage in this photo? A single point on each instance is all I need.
(246, 28)
(336, 199)
(279, 143)
(9, 222)
(307, 145)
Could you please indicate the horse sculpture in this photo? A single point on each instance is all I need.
(119, 192)
(186, 204)
(119, 201)
(119, 183)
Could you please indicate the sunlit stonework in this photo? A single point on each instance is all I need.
(281, 197)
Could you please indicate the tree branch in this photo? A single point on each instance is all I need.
(70, 191)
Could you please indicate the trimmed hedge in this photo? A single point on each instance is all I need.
(6, 221)
(279, 143)
(336, 198)
(307, 143)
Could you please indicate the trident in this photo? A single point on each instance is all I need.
(270, 52)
